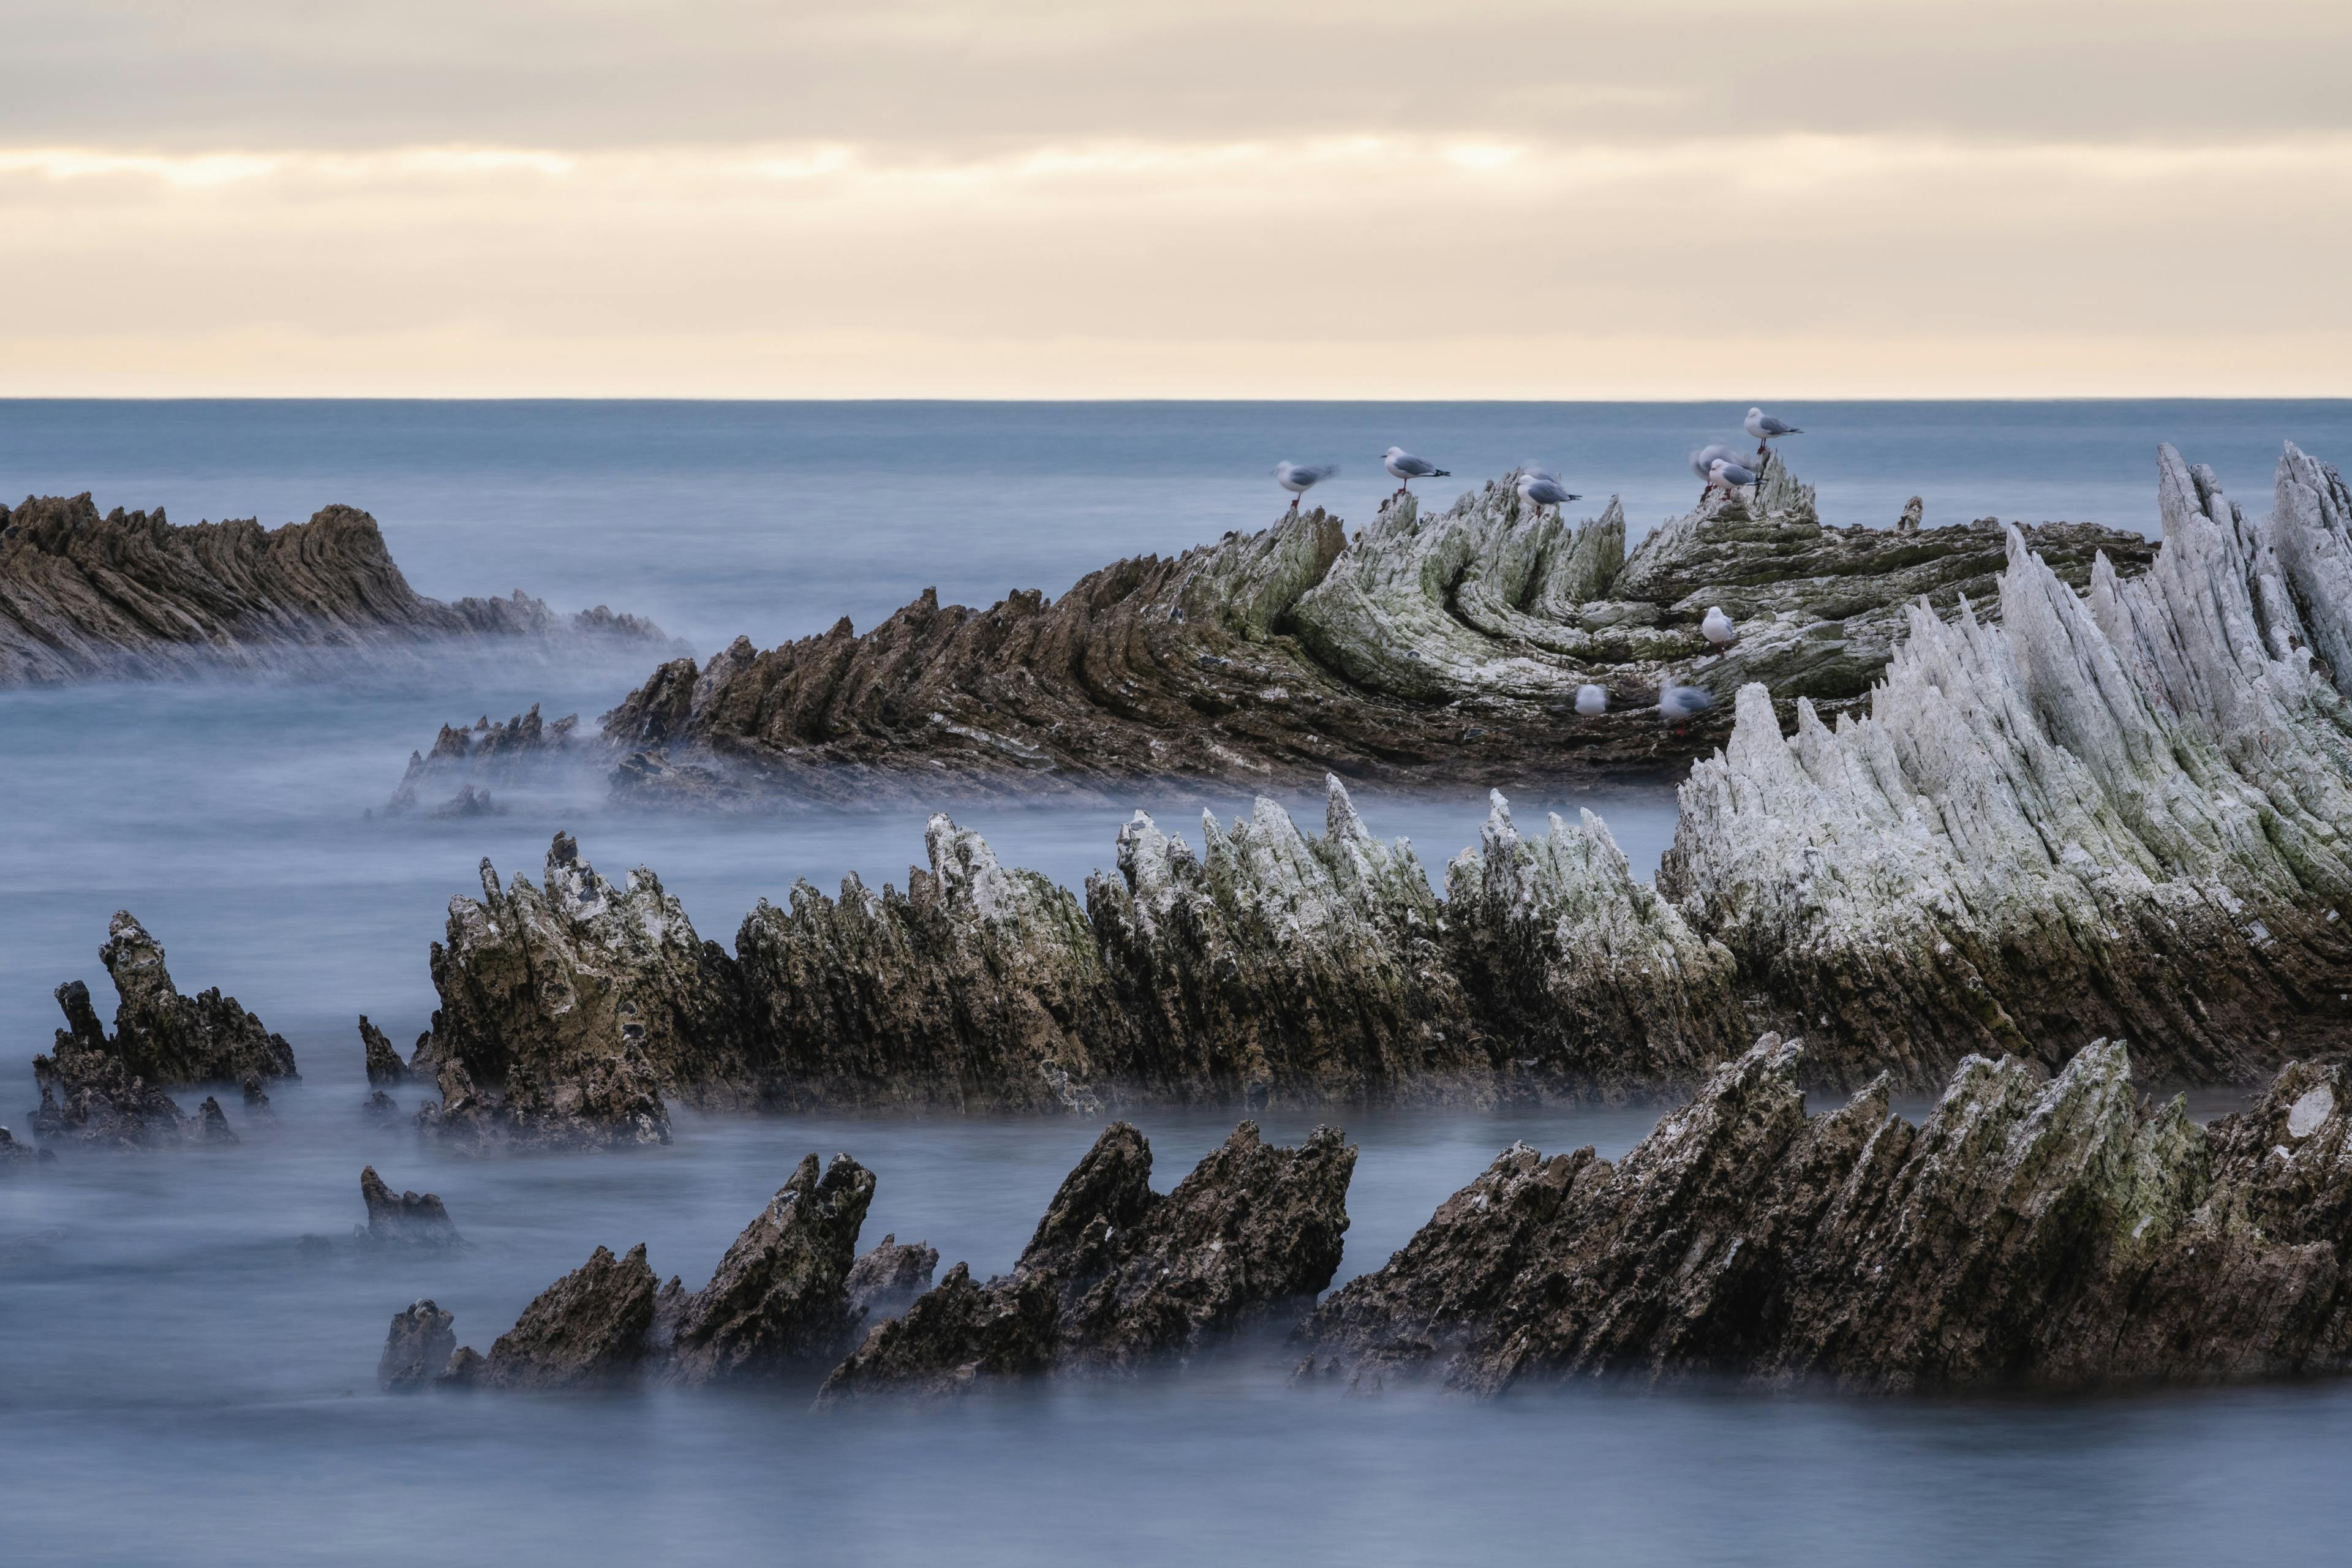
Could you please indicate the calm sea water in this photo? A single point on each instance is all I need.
(178, 1384)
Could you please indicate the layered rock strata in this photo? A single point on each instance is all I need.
(1118, 1276)
(1430, 645)
(2046, 1232)
(2122, 815)
(128, 593)
(1273, 965)
(787, 1297)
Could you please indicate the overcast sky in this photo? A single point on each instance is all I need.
(1464, 198)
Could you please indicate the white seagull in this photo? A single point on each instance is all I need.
(1729, 475)
(1539, 490)
(1718, 627)
(1300, 478)
(1681, 704)
(1404, 468)
(1591, 701)
(1702, 463)
(1763, 427)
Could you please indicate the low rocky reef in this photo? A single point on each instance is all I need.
(1274, 965)
(105, 1090)
(2054, 1233)
(1430, 645)
(1117, 1276)
(789, 1295)
(85, 597)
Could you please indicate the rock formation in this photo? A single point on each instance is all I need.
(403, 1219)
(785, 1299)
(1441, 646)
(84, 597)
(417, 1350)
(884, 1282)
(159, 1035)
(1276, 965)
(523, 750)
(2122, 815)
(2049, 1232)
(1118, 1275)
(384, 1063)
(15, 1157)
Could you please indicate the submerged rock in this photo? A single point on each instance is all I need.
(2048, 1232)
(417, 1350)
(84, 597)
(16, 1156)
(779, 1301)
(160, 1036)
(403, 1219)
(883, 1282)
(1117, 1274)
(211, 1124)
(1431, 646)
(523, 750)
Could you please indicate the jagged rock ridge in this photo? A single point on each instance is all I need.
(2045, 1232)
(1430, 645)
(83, 596)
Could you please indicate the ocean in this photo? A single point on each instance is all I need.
(180, 1382)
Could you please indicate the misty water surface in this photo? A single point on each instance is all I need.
(180, 1381)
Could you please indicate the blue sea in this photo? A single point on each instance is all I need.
(180, 1383)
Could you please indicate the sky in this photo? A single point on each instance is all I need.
(1028, 199)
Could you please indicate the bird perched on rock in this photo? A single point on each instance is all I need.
(1404, 468)
(1731, 475)
(1718, 627)
(1702, 463)
(1591, 701)
(1539, 489)
(1763, 427)
(1300, 478)
(1681, 704)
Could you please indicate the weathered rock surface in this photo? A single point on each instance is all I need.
(786, 1298)
(417, 1350)
(885, 1281)
(1118, 1275)
(464, 762)
(2049, 1232)
(1445, 646)
(15, 1157)
(84, 597)
(2123, 815)
(384, 1063)
(404, 1219)
(1278, 966)
(159, 1035)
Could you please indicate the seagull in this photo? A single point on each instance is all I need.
(1729, 475)
(1702, 463)
(1591, 701)
(1763, 427)
(1404, 468)
(1681, 704)
(1718, 627)
(1539, 490)
(1300, 478)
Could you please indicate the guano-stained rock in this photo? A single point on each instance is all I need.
(1118, 1275)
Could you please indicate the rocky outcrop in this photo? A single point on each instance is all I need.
(15, 1157)
(1439, 645)
(1116, 1275)
(2122, 815)
(785, 1297)
(384, 1063)
(463, 763)
(2048, 1232)
(417, 1350)
(404, 1219)
(1277, 965)
(568, 1010)
(84, 597)
(94, 1101)
(159, 1035)
(885, 1281)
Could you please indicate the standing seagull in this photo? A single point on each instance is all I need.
(1718, 627)
(1729, 475)
(1539, 490)
(1591, 701)
(1681, 704)
(1404, 468)
(1763, 427)
(1300, 478)
(1702, 463)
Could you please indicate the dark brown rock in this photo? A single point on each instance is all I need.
(781, 1296)
(211, 1124)
(885, 1281)
(1117, 1274)
(416, 1349)
(384, 1063)
(159, 1035)
(404, 1219)
(2057, 1232)
(585, 1330)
